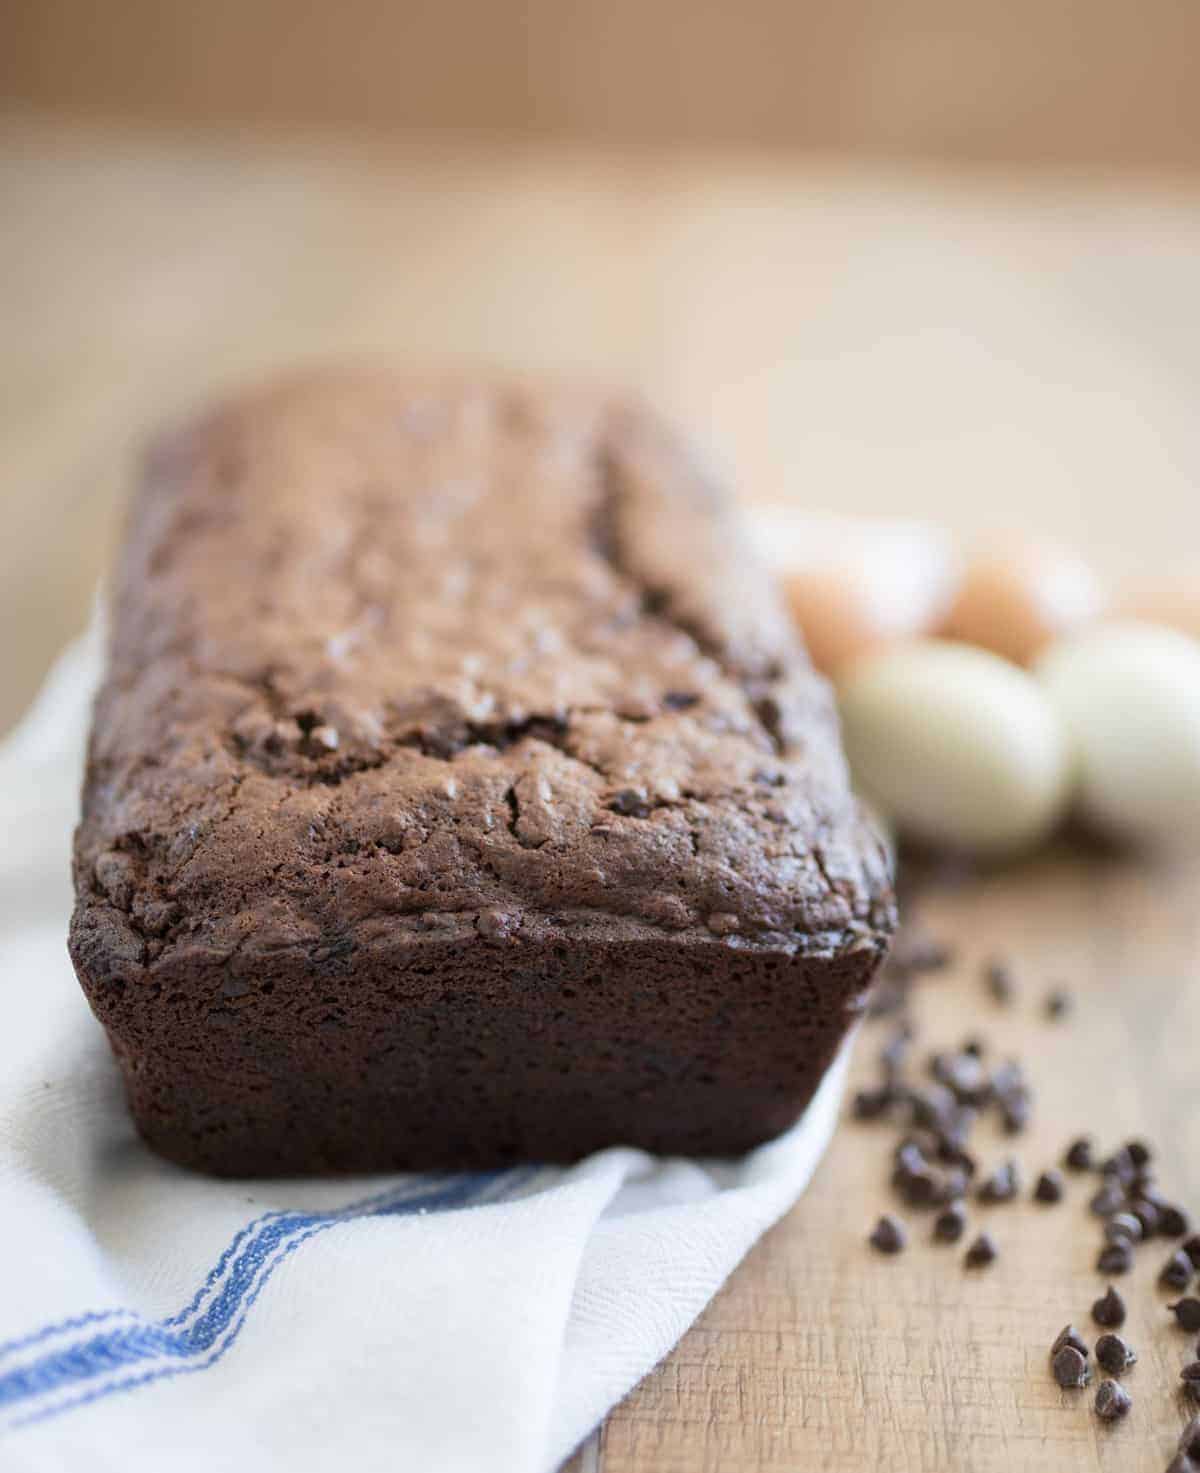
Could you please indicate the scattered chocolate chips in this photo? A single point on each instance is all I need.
(981, 1252)
(1049, 1188)
(1112, 1401)
(1190, 1376)
(1177, 1271)
(1109, 1309)
(1192, 1248)
(1174, 1222)
(1069, 1335)
(1058, 1003)
(1115, 1354)
(1115, 1258)
(950, 1223)
(1003, 1184)
(889, 1235)
(1187, 1314)
(1080, 1155)
(1070, 1368)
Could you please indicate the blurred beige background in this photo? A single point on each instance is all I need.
(934, 259)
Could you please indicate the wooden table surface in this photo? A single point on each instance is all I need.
(991, 352)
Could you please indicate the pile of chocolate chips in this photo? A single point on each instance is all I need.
(934, 1169)
(937, 1110)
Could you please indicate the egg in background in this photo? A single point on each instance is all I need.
(956, 746)
(856, 585)
(1129, 697)
(1173, 603)
(1018, 595)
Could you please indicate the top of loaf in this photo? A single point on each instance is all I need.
(429, 658)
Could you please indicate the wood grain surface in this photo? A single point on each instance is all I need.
(820, 1354)
(983, 354)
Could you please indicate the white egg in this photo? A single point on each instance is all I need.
(1129, 695)
(957, 746)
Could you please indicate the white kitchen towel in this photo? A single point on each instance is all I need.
(154, 1319)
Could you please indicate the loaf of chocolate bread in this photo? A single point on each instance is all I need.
(458, 793)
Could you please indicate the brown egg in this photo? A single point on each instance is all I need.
(1173, 602)
(837, 615)
(1019, 595)
(857, 584)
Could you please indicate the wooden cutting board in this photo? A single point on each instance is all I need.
(820, 1354)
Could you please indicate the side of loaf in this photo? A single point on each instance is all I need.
(458, 793)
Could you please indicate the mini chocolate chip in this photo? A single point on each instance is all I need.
(1190, 1376)
(1115, 1258)
(1187, 1314)
(1139, 1153)
(953, 1185)
(870, 1104)
(1003, 1184)
(1177, 1271)
(964, 1076)
(920, 1188)
(1109, 1309)
(894, 1053)
(922, 954)
(1107, 1200)
(1147, 1214)
(1069, 1335)
(910, 1152)
(1189, 1441)
(1058, 1003)
(932, 1108)
(1120, 1164)
(889, 1235)
(981, 1252)
(974, 1047)
(629, 801)
(997, 974)
(1112, 1401)
(1049, 1187)
(1115, 1354)
(1069, 1368)
(1174, 1222)
(954, 1155)
(1192, 1248)
(680, 700)
(1015, 1109)
(1123, 1225)
(950, 1223)
(1080, 1155)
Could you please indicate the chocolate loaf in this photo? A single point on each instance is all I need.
(458, 793)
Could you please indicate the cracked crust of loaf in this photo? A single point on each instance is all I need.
(422, 691)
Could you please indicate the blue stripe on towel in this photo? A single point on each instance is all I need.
(199, 1334)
